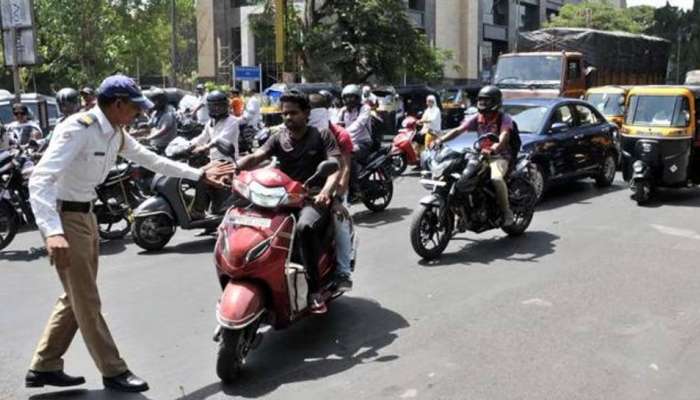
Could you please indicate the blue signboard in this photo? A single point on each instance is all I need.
(241, 73)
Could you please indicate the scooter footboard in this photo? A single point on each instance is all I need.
(240, 305)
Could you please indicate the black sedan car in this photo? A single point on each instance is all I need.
(565, 139)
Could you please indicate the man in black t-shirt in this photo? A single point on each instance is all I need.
(299, 149)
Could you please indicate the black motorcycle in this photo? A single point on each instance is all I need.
(117, 197)
(376, 185)
(16, 166)
(463, 198)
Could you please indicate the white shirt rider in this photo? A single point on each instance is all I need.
(225, 128)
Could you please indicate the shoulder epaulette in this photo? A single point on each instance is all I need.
(87, 119)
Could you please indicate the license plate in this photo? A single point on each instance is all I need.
(247, 220)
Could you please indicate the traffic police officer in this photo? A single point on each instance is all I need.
(83, 150)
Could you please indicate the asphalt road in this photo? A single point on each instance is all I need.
(599, 300)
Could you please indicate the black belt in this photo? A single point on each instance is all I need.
(75, 206)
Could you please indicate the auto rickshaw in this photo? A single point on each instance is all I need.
(610, 101)
(660, 139)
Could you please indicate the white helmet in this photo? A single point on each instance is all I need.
(352, 90)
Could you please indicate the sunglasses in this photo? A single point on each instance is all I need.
(20, 113)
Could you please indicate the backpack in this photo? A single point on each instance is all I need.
(514, 141)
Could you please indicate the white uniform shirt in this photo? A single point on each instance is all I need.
(226, 128)
(252, 114)
(79, 158)
(358, 123)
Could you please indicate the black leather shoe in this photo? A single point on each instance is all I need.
(35, 379)
(126, 382)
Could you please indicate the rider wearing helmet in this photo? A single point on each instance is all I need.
(221, 125)
(162, 121)
(491, 120)
(357, 119)
(68, 100)
(89, 98)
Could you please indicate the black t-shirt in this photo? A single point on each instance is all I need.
(300, 158)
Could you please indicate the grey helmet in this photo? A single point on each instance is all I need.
(489, 99)
(68, 100)
(352, 90)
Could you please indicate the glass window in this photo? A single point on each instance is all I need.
(540, 71)
(663, 111)
(528, 118)
(563, 115)
(586, 116)
(6, 114)
(573, 70)
(607, 103)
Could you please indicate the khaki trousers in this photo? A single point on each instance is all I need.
(79, 306)
(499, 168)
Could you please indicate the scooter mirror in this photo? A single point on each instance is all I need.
(323, 170)
(225, 147)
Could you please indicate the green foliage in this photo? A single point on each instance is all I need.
(82, 41)
(602, 15)
(352, 41)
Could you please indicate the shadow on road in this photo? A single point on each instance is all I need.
(687, 197)
(116, 246)
(575, 192)
(34, 253)
(203, 245)
(353, 332)
(526, 248)
(87, 395)
(369, 219)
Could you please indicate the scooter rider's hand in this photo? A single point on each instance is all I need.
(215, 174)
(323, 199)
(436, 143)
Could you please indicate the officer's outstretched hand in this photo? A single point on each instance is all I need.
(218, 174)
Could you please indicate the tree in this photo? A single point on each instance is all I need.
(598, 14)
(355, 40)
(82, 41)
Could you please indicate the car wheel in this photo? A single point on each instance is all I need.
(538, 180)
(607, 172)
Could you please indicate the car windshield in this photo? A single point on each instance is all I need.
(529, 118)
(663, 111)
(607, 103)
(528, 70)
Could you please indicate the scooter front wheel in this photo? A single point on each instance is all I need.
(399, 162)
(234, 345)
(153, 232)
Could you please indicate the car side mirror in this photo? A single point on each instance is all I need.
(225, 147)
(559, 127)
(686, 118)
(621, 101)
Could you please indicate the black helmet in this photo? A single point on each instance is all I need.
(159, 98)
(489, 99)
(87, 91)
(217, 103)
(68, 101)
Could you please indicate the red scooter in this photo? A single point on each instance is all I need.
(261, 278)
(402, 153)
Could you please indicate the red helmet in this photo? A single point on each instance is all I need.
(409, 123)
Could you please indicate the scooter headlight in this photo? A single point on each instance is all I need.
(638, 166)
(266, 197)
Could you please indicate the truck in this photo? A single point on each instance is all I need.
(565, 62)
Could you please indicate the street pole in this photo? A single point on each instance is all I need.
(678, 59)
(15, 66)
(173, 45)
